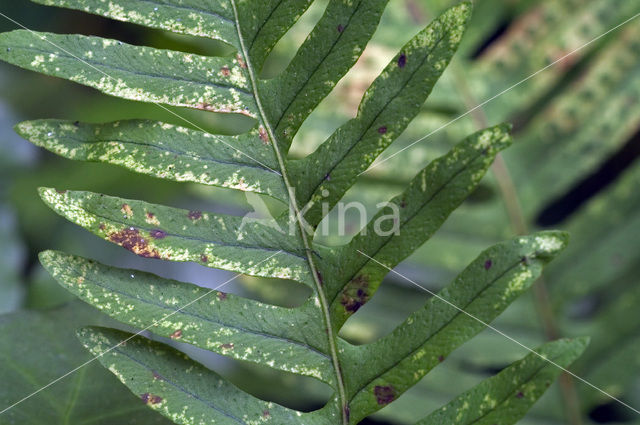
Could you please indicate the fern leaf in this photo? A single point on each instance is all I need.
(506, 397)
(212, 20)
(179, 388)
(387, 107)
(134, 72)
(328, 53)
(165, 151)
(432, 195)
(302, 340)
(384, 369)
(211, 323)
(157, 231)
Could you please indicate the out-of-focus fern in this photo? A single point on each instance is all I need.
(302, 340)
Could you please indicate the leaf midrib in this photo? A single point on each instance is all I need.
(253, 164)
(331, 337)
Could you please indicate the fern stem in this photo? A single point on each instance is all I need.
(519, 226)
(331, 335)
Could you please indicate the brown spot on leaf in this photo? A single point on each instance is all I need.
(347, 412)
(266, 414)
(203, 106)
(327, 177)
(228, 346)
(340, 28)
(150, 398)
(520, 394)
(131, 240)
(382, 130)
(222, 296)
(488, 264)
(355, 294)
(263, 135)
(158, 234)
(151, 219)
(80, 280)
(225, 71)
(102, 226)
(176, 335)
(194, 215)
(126, 210)
(204, 258)
(156, 376)
(384, 394)
(241, 61)
(441, 358)
(61, 192)
(402, 60)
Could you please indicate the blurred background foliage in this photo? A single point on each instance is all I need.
(573, 166)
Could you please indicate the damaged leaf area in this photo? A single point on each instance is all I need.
(182, 235)
(165, 151)
(214, 21)
(211, 323)
(303, 340)
(133, 72)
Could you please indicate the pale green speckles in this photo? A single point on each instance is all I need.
(161, 150)
(136, 72)
(549, 243)
(211, 21)
(61, 204)
(39, 60)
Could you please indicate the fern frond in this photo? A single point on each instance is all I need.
(302, 340)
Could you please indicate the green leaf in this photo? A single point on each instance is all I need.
(387, 107)
(175, 386)
(212, 322)
(156, 231)
(133, 72)
(211, 19)
(264, 23)
(329, 52)
(384, 369)
(304, 339)
(506, 397)
(165, 151)
(38, 347)
(431, 196)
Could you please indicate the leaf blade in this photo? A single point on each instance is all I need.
(386, 109)
(506, 397)
(205, 318)
(165, 151)
(176, 386)
(133, 72)
(479, 294)
(212, 21)
(156, 231)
